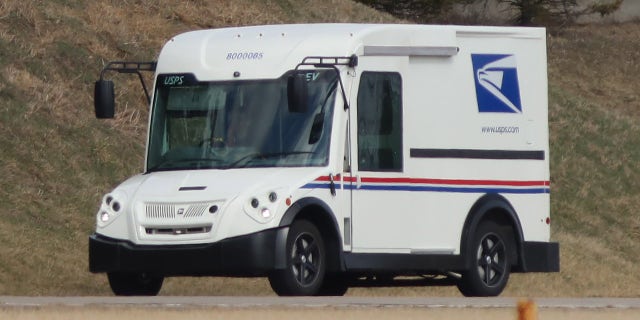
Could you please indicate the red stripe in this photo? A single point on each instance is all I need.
(513, 183)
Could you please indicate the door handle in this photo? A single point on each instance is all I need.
(332, 185)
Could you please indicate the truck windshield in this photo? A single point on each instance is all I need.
(239, 124)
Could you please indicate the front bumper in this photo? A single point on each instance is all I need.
(541, 257)
(249, 255)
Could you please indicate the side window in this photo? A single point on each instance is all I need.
(380, 122)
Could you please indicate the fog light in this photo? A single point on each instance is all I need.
(266, 213)
(104, 217)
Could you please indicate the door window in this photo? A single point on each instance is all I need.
(380, 122)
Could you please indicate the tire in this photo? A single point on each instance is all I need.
(305, 262)
(488, 257)
(334, 285)
(135, 284)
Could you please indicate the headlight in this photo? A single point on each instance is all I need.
(104, 216)
(112, 205)
(266, 213)
(263, 206)
(115, 206)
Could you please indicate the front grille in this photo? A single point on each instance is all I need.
(175, 210)
(183, 220)
(161, 211)
(196, 210)
(177, 231)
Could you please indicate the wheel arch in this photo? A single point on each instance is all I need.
(320, 214)
(497, 208)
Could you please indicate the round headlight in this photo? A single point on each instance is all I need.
(115, 206)
(273, 197)
(104, 216)
(266, 213)
(255, 203)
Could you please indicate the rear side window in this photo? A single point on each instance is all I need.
(380, 122)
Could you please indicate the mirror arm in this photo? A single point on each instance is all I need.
(332, 63)
(132, 67)
(344, 94)
(144, 87)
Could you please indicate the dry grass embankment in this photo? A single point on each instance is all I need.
(57, 160)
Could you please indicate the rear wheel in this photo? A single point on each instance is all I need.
(489, 261)
(305, 264)
(135, 284)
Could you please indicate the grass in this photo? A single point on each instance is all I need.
(56, 160)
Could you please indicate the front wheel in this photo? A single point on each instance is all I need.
(135, 284)
(489, 261)
(334, 285)
(305, 262)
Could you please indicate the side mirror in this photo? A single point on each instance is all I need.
(104, 100)
(297, 92)
(316, 128)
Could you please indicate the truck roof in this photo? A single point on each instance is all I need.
(267, 52)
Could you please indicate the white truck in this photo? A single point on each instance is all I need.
(324, 156)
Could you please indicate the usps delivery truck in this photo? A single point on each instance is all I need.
(324, 156)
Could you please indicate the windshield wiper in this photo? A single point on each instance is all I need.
(172, 164)
(257, 155)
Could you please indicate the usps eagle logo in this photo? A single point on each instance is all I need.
(496, 78)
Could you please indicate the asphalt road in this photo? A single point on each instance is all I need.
(252, 302)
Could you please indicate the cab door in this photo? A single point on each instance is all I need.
(380, 221)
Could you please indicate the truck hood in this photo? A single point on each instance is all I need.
(206, 185)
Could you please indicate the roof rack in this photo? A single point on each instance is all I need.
(131, 67)
(329, 62)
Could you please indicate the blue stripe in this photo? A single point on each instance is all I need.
(541, 190)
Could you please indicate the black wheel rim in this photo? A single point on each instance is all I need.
(491, 260)
(305, 258)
